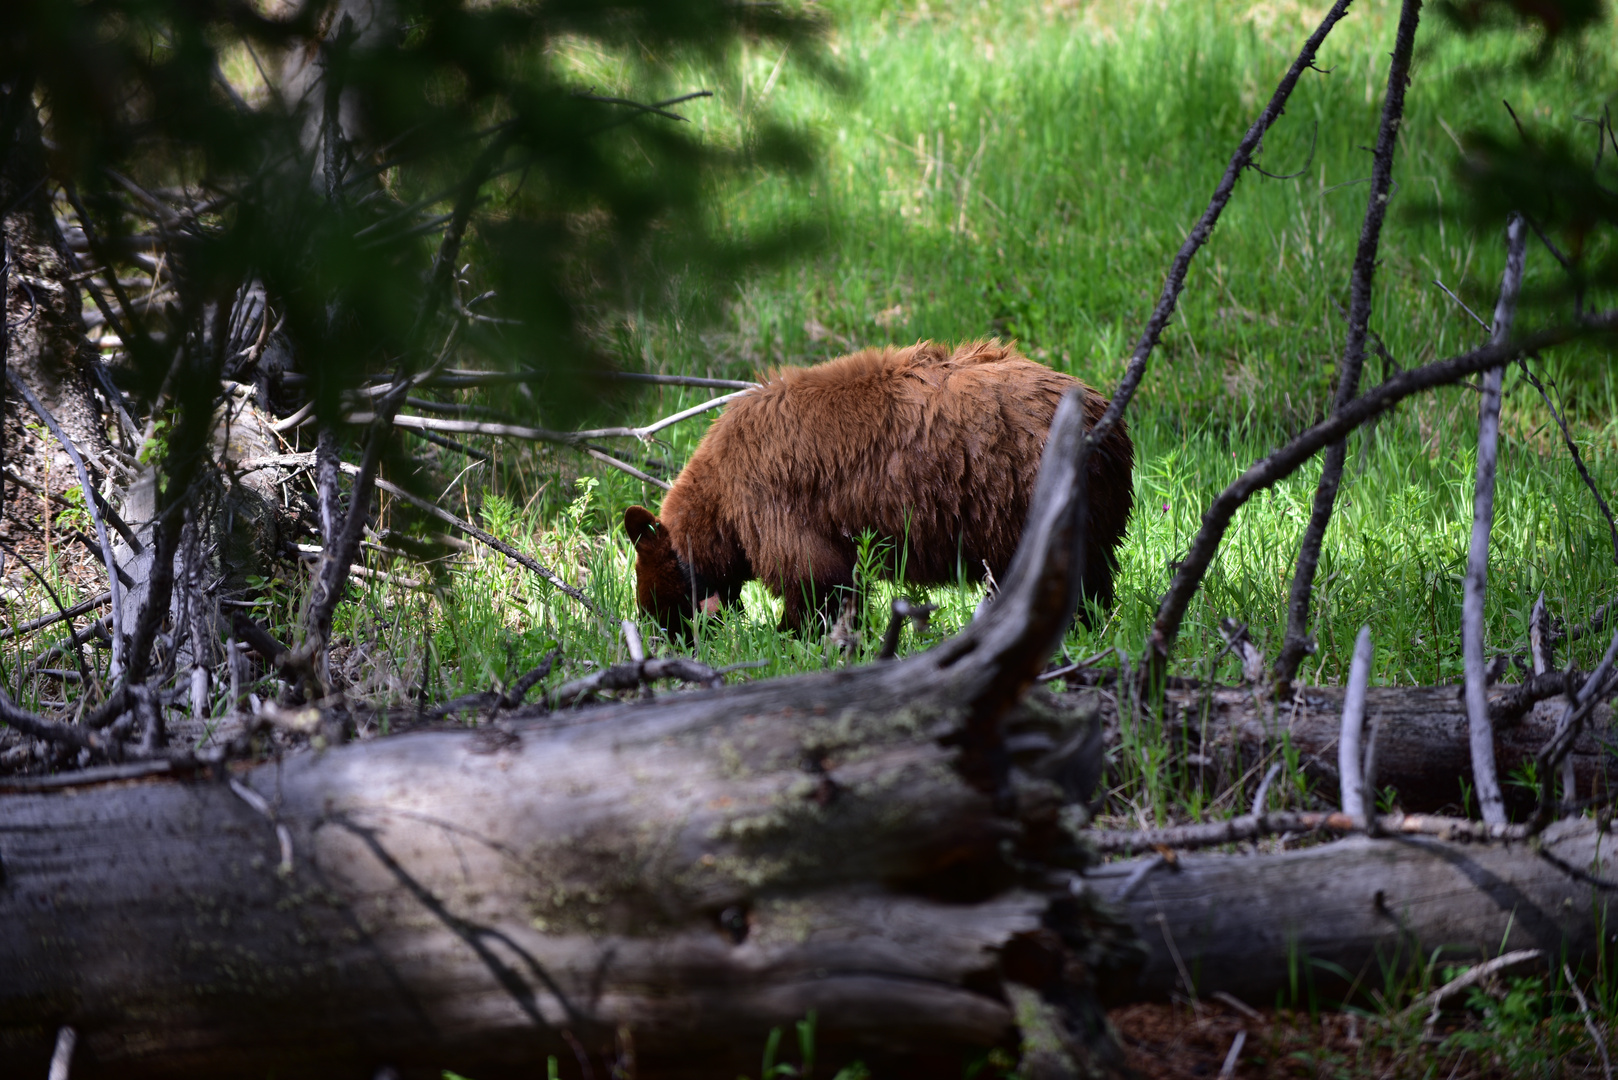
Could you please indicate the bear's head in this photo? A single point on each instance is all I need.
(666, 587)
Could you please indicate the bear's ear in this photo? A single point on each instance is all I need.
(639, 524)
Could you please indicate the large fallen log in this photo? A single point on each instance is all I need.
(1326, 923)
(1422, 749)
(683, 878)
(665, 881)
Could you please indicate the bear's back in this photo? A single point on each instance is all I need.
(921, 442)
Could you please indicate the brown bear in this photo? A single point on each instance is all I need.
(933, 449)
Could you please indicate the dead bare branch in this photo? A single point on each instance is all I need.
(903, 608)
(624, 466)
(1349, 759)
(1296, 644)
(1486, 781)
(1283, 461)
(50, 620)
(113, 583)
(40, 728)
(1595, 689)
(1589, 1022)
(531, 434)
(1469, 978)
(682, 380)
(1509, 709)
(1573, 450)
(61, 610)
(1203, 229)
(1335, 822)
(633, 676)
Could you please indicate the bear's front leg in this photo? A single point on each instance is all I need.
(813, 594)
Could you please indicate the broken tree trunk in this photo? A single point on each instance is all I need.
(677, 877)
(1322, 924)
(1422, 746)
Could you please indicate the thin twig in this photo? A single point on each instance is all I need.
(463, 379)
(140, 343)
(1227, 1071)
(1589, 1022)
(1573, 449)
(637, 649)
(1078, 665)
(624, 466)
(1515, 702)
(341, 549)
(1475, 316)
(118, 524)
(1485, 778)
(485, 538)
(1296, 644)
(40, 728)
(283, 835)
(641, 106)
(1137, 877)
(531, 434)
(1264, 787)
(682, 380)
(61, 611)
(519, 689)
(903, 608)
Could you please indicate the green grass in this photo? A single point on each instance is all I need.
(1028, 170)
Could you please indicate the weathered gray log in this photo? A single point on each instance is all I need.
(1422, 745)
(1245, 924)
(693, 874)
(682, 876)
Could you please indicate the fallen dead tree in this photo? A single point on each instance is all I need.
(1334, 920)
(1422, 748)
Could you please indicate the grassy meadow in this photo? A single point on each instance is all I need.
(1027, 170)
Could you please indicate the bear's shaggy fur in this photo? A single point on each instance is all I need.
(934, 449)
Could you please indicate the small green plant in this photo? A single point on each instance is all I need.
(771, 1069)
(997, 1064)
(1526, 776)
(500, 515)
(1513, 1027)
(76, 515)
(156, 446)
(580, 509)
